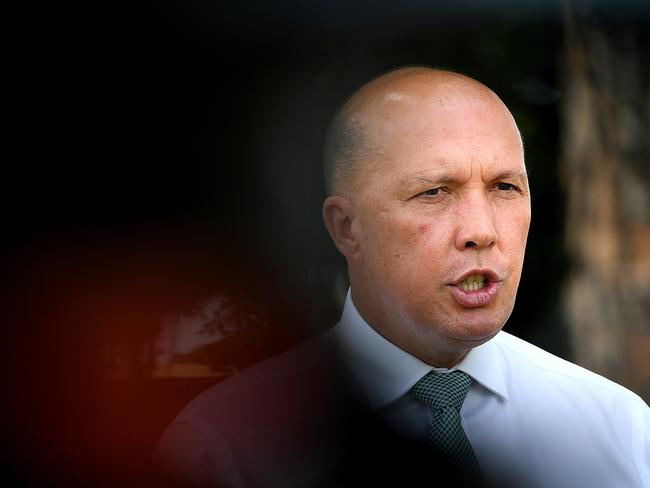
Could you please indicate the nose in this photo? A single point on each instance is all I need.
(476, 228)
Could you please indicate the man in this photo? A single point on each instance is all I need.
(429, 203)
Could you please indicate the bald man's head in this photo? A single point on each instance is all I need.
(351, 139)
(429, 204)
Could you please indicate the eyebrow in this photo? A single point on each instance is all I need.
(521, 176)
(432, 180)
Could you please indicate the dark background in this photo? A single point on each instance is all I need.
(177, 154)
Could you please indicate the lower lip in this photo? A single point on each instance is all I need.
(476, 298)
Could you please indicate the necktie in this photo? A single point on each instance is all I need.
(445, 393)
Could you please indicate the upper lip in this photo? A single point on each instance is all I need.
(488, 273)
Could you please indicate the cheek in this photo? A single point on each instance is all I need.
(408, 233)
(514, 227)
(396, 242)
(523, 225)
(411, 248)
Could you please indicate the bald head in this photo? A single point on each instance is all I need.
(370, 118)
(427, 186)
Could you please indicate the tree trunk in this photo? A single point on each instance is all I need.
(606, 165)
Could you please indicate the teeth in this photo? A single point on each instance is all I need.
(472, 283)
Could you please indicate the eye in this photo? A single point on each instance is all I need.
(432, 192)
(505, 186)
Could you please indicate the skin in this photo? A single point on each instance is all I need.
(441, 190)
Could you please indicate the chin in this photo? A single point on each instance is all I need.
(482, 328)
(475, 330)
(476, 335)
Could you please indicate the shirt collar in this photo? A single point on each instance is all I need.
(385, 372)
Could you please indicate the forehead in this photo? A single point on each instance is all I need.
(436, 137)
(459, 115)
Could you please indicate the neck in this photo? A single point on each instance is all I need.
(421, 341)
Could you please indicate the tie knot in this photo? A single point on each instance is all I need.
(440, 390)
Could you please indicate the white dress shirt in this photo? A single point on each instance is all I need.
(533, 419)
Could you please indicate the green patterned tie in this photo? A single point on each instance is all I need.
(445, 393)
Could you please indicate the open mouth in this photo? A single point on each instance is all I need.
(473, 282)
(476, 289)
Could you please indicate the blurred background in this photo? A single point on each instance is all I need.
(163, 222)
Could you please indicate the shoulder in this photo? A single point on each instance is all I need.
(529, 363)
(253, 424)
(273, 382)
(588, 429)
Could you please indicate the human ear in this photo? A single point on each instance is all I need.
(338, 215)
